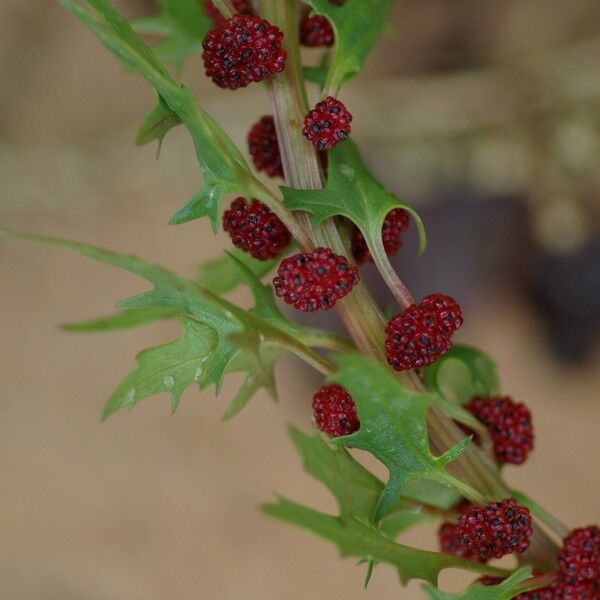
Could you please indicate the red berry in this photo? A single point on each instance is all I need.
(244, 49)
(496, 529)
(586, 590)
(421, 333)
(450, 543)
(327, 124)
(255, 229)
(335, 411)
(315, 280)
(394, 224)
(241, 7)
(264, 147)
(316, 31)
(579, 558)
(509, 425)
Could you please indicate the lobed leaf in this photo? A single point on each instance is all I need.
(157, 123)
(122, 320)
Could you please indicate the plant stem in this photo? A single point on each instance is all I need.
(224, 7)
(360, 314)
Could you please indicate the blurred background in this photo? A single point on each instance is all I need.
(482, 113)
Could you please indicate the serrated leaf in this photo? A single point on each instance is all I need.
(223, 167)
(246, 340)
(507, 589)
(354, 538)
(352, 192)
(168, 368)
(157, 123)
(393, 427)
(463, 372)
(221, 275)
(121, 320)
(357, 25)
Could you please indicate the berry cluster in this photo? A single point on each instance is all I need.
(264, 147)
(496, 529)
(509, 425)
(327, 124)
(316, 31)
(450, 543)
(242, 7)
(422, 332)
(395, 224)
(316, 280)
(334, 411)
(242, 50)
(255, 229)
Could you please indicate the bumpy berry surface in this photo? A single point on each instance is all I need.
(264, 147)
(335, 411)
(509, 425)
(421, 333)
(315, 280)
(255, 229)
(327, 124)
(241, 7)
(579, 558)
(244, 49)
(495, 529)
(450, 543)
(316, 31)
(582, 591)
(395, 224)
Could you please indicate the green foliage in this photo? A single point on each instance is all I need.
(509, 588)
(393, 427)
(182, 24)
(224, 168)
(357, 25)
(354, 193)
(221, 275)
(157, 123)
(359, 539)
(249, 341)
(122, 320)
(168, 368)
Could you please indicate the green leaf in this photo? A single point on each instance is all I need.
(354, 193)
(393, 427)
(354, 538)
(462, 373)
(357, 25)
(169, 368)
(122, 320)
(183, 25)
(431, 493)
(221, 275)
(247, 340)
(157, 124)
(223, 166)
(507, 589)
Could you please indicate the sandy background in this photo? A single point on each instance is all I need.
(148, 505)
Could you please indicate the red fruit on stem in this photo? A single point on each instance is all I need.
(335, 411)
(316, 31)
(242, 7)
(450, 543)
(264, 147)
(316, 280)
(447, 310)
(327, 124)
(421, 333)
(579, 558)
(243, 50)
(255, 229)
(395, 224)
(509, 425)
(496, 529)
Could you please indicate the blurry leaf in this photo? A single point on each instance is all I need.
(357, 25)
(509, 588)
(122, 320)
(223, 166)
(354, 538)
(431, 493)
(393, 428)
(169, 368)
(352, 192)
(157, 124)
